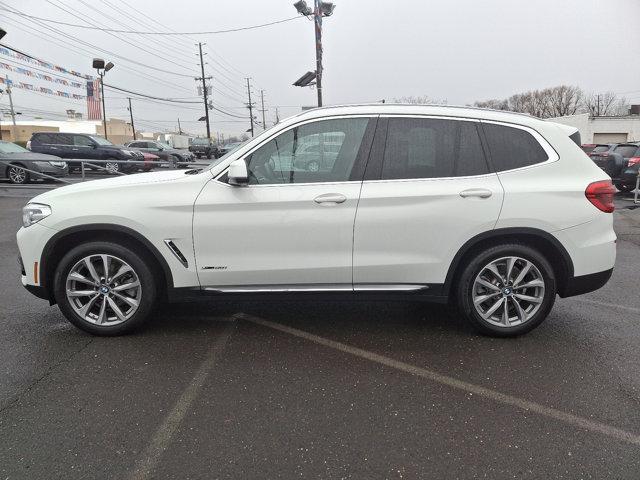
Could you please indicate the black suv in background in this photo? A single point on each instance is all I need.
(82, 146)
(621, 163)
(204, 147)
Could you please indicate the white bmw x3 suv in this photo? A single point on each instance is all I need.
(494, 212)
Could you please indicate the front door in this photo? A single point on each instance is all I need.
(427, 190)
(290, 228)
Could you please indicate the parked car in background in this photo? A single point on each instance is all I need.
(82, 146)
(204, 147)
(149, 159)
(599, 150)
(13, 156)
(228, 147)
(173, 156)
(616, 161)
(413, 206)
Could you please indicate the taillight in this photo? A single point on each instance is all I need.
(600, 194)
(633, 161)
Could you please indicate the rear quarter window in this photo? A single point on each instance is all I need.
(512, 147)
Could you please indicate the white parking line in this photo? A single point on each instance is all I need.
(568, 418)
(145, 465)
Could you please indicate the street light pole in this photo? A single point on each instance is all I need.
(317, 14)
(104, 112)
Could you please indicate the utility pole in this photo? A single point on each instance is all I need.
(179, 127)
(133, 127)
(598, 108)
(277, 117)
(204, 91)
(317, 16)
(264, 122)
(13, 113)
(250, 105)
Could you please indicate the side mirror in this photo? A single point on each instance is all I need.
(238, 174)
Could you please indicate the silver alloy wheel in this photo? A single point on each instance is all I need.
(508, 291)
(112, 167)
(103, 289)
(17, 175)
(313, 166)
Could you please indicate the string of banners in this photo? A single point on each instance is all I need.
(49, 91)
(42, 63)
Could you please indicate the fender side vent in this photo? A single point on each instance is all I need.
(176, 251)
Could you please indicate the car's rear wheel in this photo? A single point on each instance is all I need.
(313, 166)
(506, 290)
(17, 175)
(104, 288)
(624, 187)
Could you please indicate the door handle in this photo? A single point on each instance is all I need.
(476, 192)
(330, 198)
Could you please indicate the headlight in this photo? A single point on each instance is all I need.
(58, 164)
(34, 212)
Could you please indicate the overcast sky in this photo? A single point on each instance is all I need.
(454, 50)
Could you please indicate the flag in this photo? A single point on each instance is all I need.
(93, 100)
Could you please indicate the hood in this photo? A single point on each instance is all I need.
(108, 183)
(43, 157)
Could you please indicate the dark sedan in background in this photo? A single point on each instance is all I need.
(173, 156)
(13, 156)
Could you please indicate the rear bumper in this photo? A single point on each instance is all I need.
(586, 283)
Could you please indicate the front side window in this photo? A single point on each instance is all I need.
(513, 147)
(323, 151)
(82, 141)
(432, 148)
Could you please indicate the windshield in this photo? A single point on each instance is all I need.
(164, 145)
(8, 147)
(100, 140)
(200, 141)
(600, 149)
(626, 151)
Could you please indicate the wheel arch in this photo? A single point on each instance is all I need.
(64, 240)
(543, 241)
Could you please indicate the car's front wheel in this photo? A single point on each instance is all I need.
(17, 175)
(105, 288)
(112, 167)
(506, 290)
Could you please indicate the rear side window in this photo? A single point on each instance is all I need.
(627, 151)
(512, 147)
(432, 148)
(45, 138)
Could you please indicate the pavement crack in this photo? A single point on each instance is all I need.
(44, 376)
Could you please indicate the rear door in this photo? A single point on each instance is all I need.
(427, 190)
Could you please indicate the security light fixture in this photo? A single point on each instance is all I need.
(2, 33)
(303, 8)
(305, 80)
(98, 63)
(108, 66)
(326, 8)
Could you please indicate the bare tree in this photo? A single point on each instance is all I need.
(563, 100)
(493, 104)
(419, 100)
(603, 104)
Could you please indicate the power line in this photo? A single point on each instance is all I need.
(149, 96)
(146, 32)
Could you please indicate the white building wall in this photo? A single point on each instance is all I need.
(603, 129)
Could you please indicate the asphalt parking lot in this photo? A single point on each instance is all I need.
(318, 389)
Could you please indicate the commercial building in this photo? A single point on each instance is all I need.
(118, 131)
(603, 129)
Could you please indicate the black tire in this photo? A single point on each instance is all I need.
(173, 160)
(17, 176)
(140, 265)
(624, 188)
(209, 155)
(464, 289)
